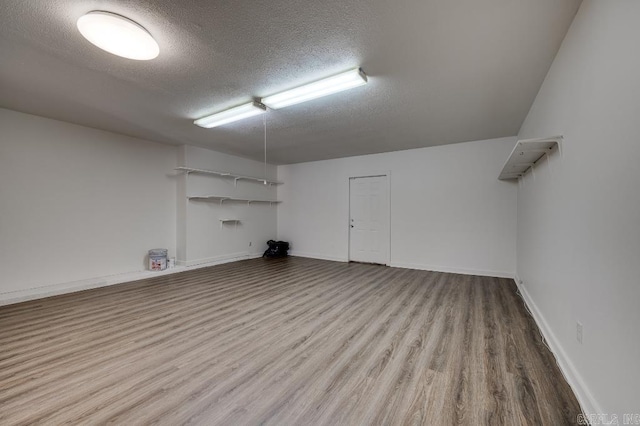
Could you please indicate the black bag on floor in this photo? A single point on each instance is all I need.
(276, 249)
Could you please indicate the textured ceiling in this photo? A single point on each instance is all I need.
(440, 71)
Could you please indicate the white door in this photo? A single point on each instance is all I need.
(369, 219)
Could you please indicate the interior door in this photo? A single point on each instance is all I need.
(369, 219)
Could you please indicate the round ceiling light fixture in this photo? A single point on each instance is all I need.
(118, 35)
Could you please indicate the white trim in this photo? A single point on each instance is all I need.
(217, 260)
(453, 270)
(318, 256)
(405, 265)
(17, 296)
(584, 396)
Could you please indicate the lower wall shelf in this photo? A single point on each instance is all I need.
(234, 221)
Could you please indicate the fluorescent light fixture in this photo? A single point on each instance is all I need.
(231, 115)
(118, 35)
(324, 87)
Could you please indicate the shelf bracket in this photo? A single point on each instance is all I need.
(546, 154)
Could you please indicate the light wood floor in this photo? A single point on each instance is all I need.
(289, 341)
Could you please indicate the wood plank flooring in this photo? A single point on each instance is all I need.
(284, 342)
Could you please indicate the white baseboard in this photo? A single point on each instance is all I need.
(422, 267)
(317, 256)
(583, 395)
(218, 260)
(452, 270)
(11, 297)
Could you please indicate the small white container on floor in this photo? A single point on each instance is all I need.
(158, 259)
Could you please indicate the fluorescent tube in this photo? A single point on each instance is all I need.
(231, 115)
(324, 87)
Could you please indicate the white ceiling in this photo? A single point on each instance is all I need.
(440, 71)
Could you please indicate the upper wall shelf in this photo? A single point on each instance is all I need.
(526, 154)
(222, 199)
(235, 177)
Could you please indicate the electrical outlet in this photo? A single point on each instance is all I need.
(579, 332)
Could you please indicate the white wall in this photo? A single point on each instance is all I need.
(200, 237)
(79, 203)
(449, 212)
(579, 215)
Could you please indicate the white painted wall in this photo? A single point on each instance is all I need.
(579, 215)
(200, 237)
(81, 207)
(449, 212)
(78, 203)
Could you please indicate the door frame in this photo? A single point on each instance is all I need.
(387, 174)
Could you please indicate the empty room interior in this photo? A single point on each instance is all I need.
(344, 212)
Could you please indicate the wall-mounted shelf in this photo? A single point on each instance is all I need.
(234, 221)
(526, 154)
(222, 199)
(235, 177)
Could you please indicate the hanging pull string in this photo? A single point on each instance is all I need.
(264, 122)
